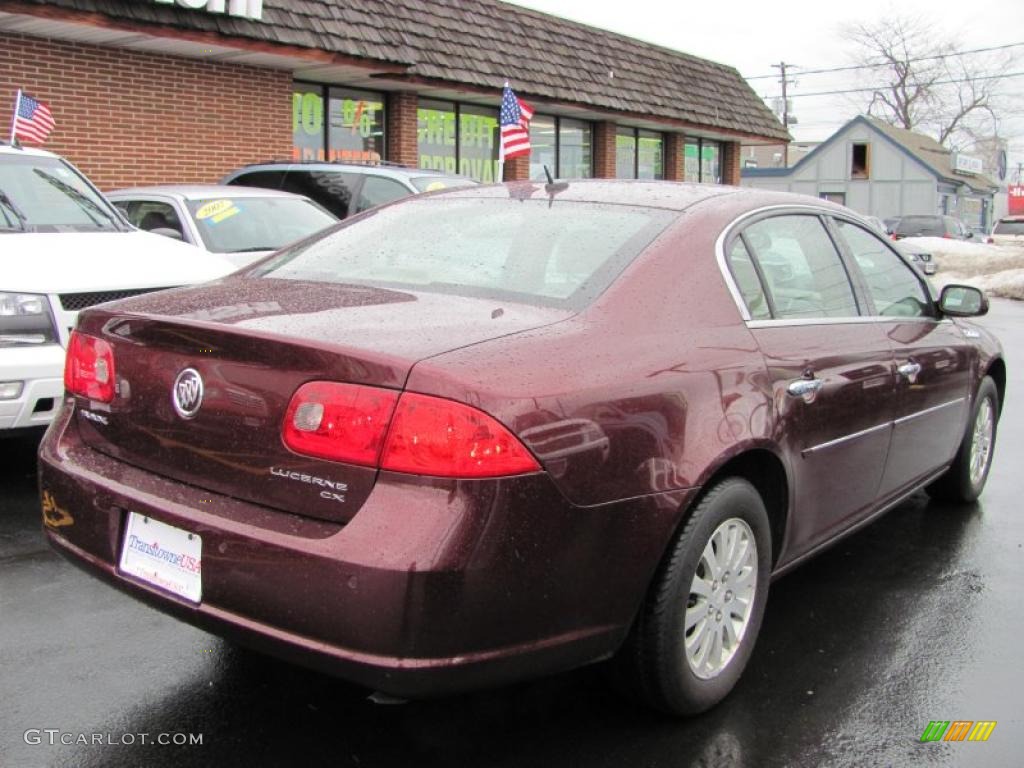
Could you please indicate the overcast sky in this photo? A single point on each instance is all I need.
(751, 36)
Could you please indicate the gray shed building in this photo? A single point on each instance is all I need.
(879, 170)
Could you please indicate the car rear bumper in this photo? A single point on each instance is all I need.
(40, 370)
(433, 586)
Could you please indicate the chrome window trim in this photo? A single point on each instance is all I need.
(846, 438)
(799, 208)
(855, 320)
(926, 411)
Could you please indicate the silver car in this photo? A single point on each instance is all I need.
(239, 223)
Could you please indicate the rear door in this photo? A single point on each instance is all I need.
(931, 355)
(831, 372)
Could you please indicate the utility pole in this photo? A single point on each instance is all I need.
(785, 81)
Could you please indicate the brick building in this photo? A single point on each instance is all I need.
(148, 91)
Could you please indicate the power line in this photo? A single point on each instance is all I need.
(887, 85)
(885, 63)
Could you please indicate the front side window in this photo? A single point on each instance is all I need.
(378, 190)
(151, 214)
(891, 282)
(559, 255)
(804, 274)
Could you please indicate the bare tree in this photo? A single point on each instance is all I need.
(922, 81)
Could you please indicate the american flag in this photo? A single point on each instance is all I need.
(32, 119)
(515, 125)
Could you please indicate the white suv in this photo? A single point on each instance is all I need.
(63, 247)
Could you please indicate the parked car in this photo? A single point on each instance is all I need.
(1009, 230)
(239, 223)
(931, 226)
(578, 421)
(66, 248)
(345, 188)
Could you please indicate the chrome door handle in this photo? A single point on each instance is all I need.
(909, 370)
(805, 387)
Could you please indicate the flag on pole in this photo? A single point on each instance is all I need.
(33, 120)
(515, 125)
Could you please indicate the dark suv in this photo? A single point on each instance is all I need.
(344, 189)
(931, 226)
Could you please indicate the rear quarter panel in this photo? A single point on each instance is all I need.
(647, 390)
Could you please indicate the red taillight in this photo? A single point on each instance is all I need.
(340, 422)
(420, 435)
(89, 368)
(433, 436)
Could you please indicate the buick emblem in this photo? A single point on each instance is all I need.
(187, 393)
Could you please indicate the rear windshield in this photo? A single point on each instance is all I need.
(920, 225)
(1009, 227)
(560, 254)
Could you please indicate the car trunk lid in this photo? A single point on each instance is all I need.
(253, 343)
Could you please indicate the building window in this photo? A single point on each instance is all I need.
(702, 160)
(639, 154)
(353, 130)
(458, 138)
(563, 145)
(860, 162)
(356, 126)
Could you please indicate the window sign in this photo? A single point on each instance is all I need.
(702, 161)
(356, 126)
(574, 149)
(625, 153)
(307, 122)
(457, 138)
(650, 156)
(543, 143)
(246, 9)
(478, 143)
(563, 145)
(436, 135)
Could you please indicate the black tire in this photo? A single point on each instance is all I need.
(958, 484)
(654, 663)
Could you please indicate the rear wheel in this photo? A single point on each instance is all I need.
(966, 476)
(697, 627)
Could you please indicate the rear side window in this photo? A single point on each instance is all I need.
(891, 282)
(745, 274)
(561, 254)
(332, 189)
(378, 190)
(261, 179)
(804, 275)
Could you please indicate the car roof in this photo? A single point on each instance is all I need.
(669, 195)
(199, 191)
(391, 171)
(7, 149)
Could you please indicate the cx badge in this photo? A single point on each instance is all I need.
(187, 393)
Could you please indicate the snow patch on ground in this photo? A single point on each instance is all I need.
(996, 269)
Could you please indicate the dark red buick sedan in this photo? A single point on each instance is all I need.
(499, 432)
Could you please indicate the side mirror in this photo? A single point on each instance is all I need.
(167, 232)
(969, 234)
(962, 301)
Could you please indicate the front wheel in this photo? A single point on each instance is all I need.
(697, 627)
(965, 479)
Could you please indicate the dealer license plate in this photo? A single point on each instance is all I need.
(164, 556)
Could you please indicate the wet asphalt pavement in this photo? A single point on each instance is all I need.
(918, 617)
